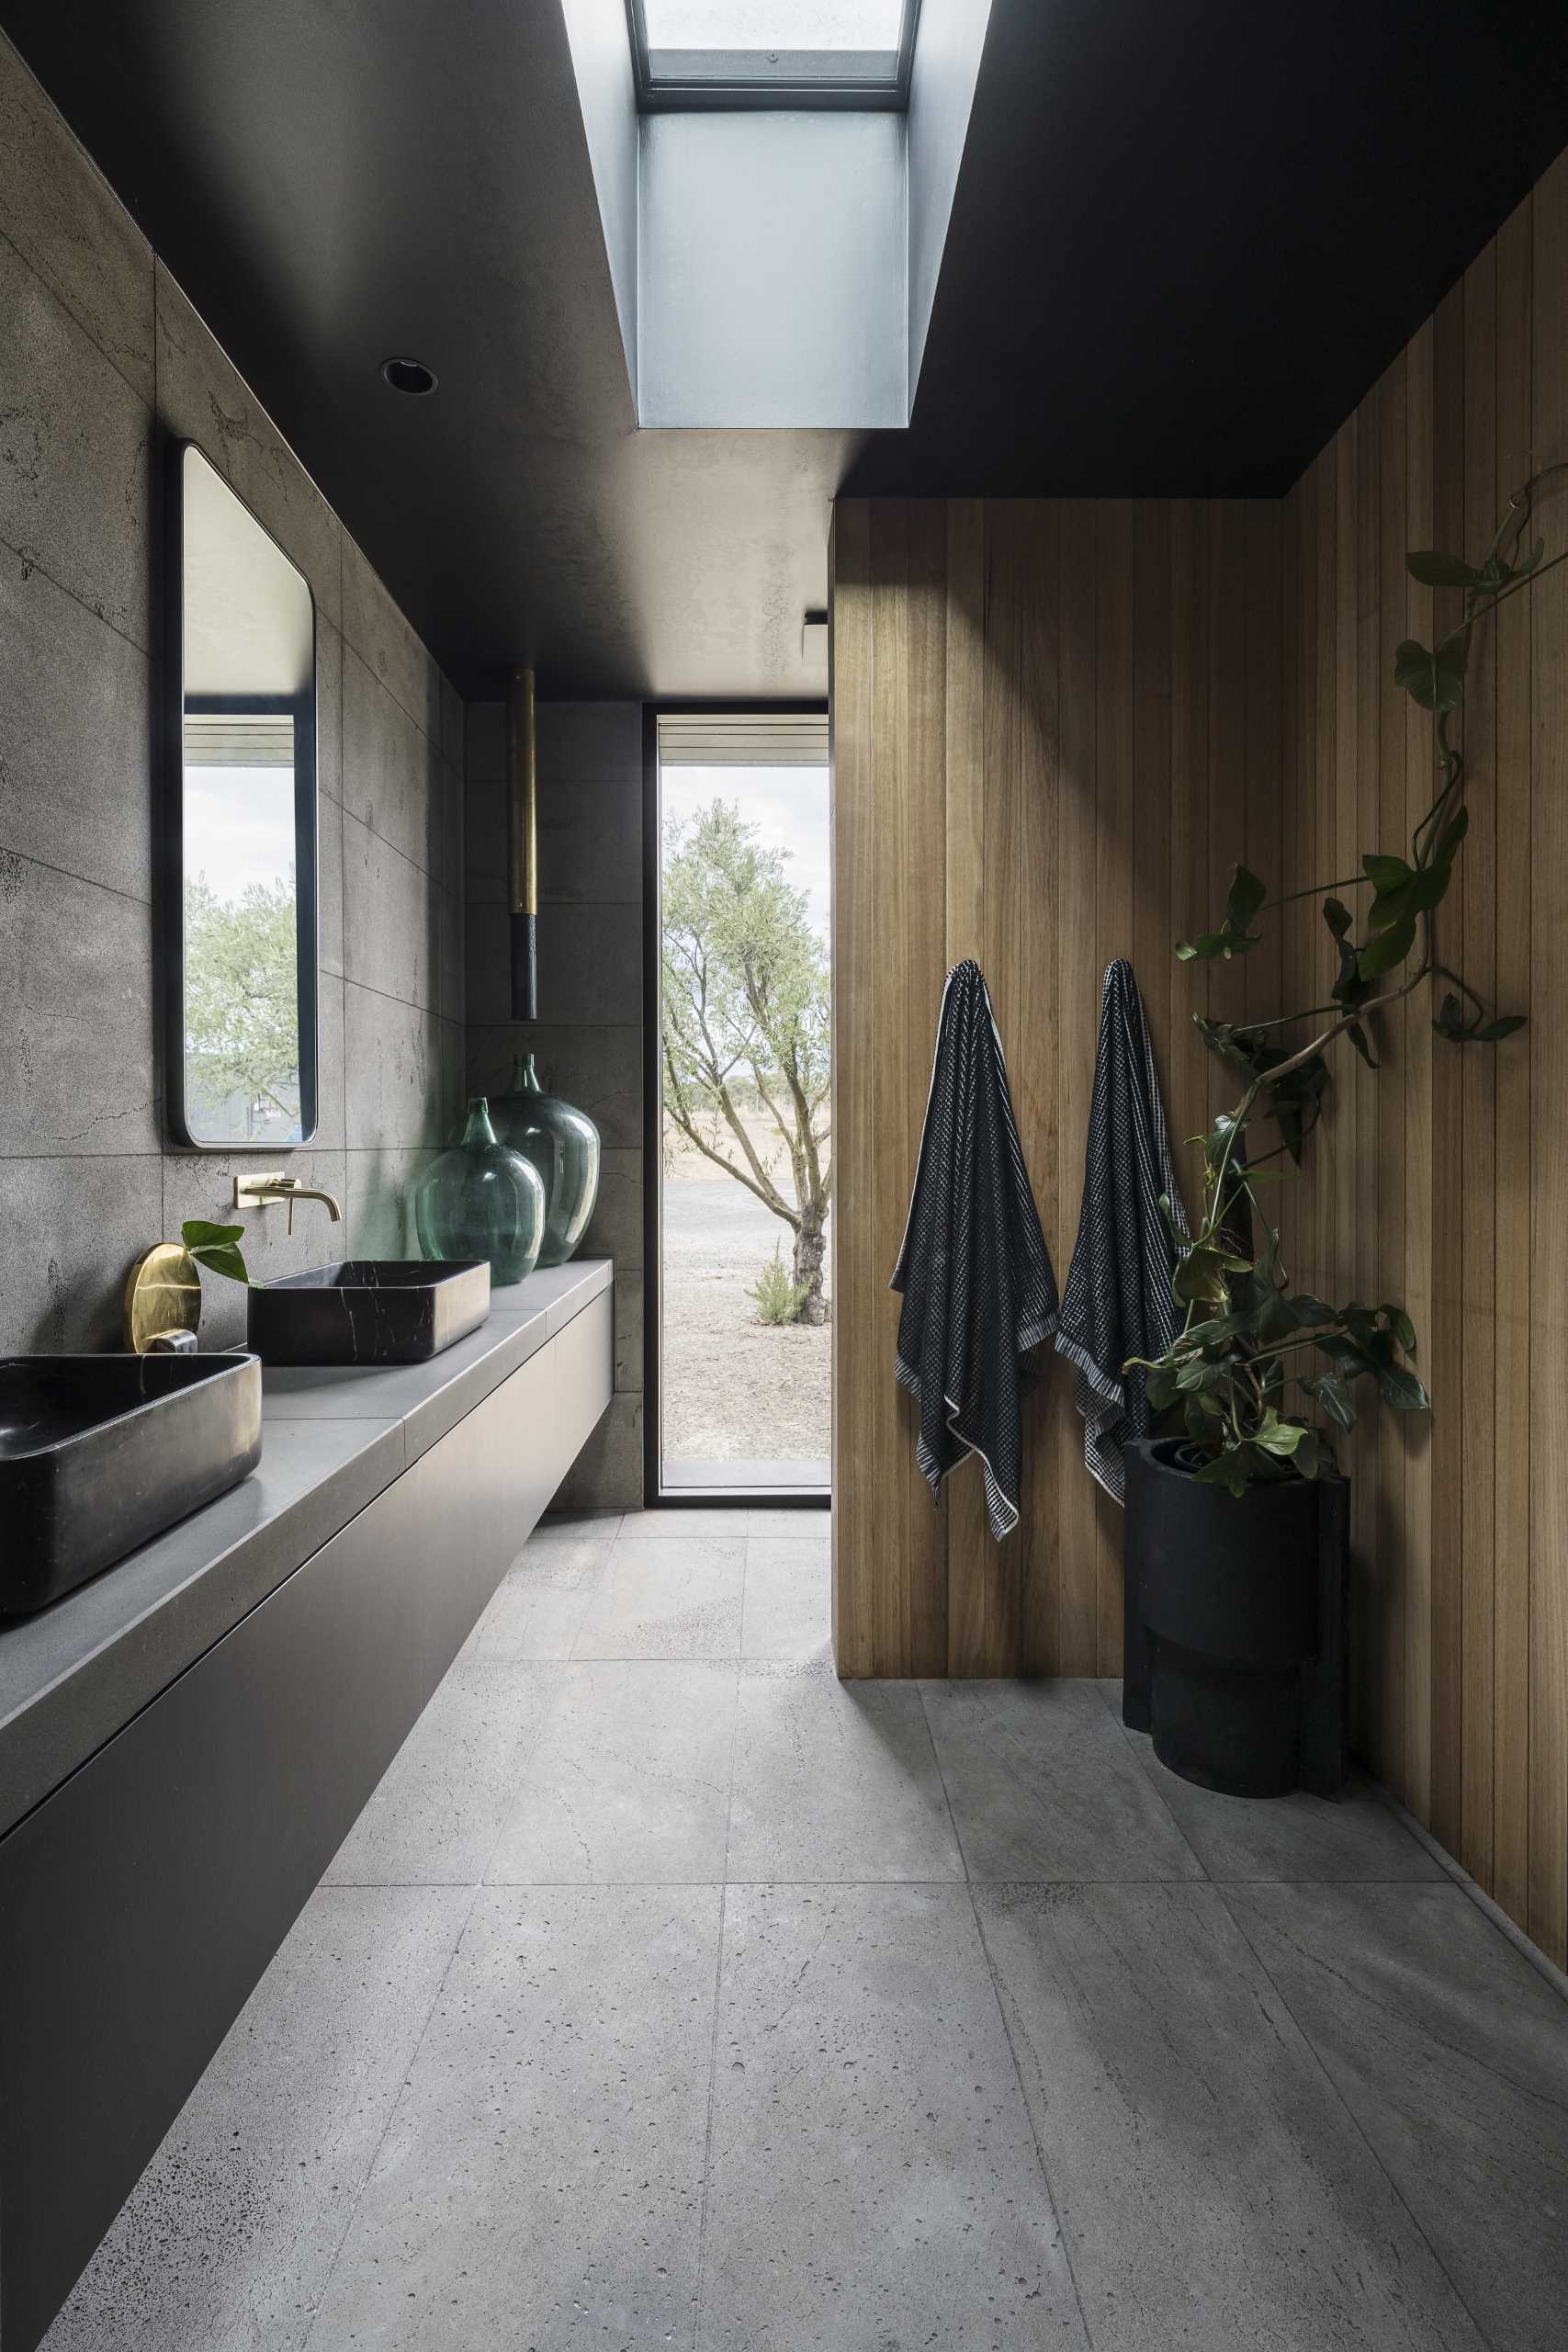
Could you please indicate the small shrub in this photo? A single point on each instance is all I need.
(779, 1297)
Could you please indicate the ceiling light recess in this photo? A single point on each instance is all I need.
(772, 52)
(409, 375)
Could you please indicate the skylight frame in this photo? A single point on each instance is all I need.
(671, 80)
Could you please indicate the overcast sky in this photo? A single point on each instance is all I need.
(789, 805)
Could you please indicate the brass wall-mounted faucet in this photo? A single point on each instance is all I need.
(250, 1190)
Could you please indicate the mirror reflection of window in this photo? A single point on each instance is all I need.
(248, 840)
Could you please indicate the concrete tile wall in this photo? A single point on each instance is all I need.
(587, 1041)
(102, 362)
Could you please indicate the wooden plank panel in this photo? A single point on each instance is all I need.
(888, 1079)
(1418, 771)
(1291, 859)
(1342, 1161)
(1445, 1354)
(1477, 1236)
(1033, 1056)
(1227, 771)
(1079, 1004)
(1114, 898)
(926, 851)
(1549, 1096)
(1190, 910)
(1389, 1747)
(1367, 1454)
(1324, 1151)
(856, 1390)
(1511, 1410)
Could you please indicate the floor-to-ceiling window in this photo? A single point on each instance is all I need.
(743, 1295)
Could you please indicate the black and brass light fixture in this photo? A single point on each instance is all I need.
(523, 848)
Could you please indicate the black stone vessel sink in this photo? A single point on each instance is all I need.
(100, 1454)
(368, 1311)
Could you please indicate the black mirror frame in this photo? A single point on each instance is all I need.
(169, 845)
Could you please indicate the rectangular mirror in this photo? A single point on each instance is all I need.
(239, 848)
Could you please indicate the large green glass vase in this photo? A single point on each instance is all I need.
(481, 1199)
(562, 1143)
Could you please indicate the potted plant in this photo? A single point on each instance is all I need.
(1237, 1517)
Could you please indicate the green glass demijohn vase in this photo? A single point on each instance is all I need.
(481, 1199)
(562, 1143)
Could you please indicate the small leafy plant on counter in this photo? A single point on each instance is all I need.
(216, 1246)
(1261, 1373)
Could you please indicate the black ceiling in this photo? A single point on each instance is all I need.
(1184, 242)
(1188, 238)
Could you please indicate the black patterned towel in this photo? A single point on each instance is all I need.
(1118, 1302)
(978, 1288)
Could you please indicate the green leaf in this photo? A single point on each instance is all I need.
(222, 1257)
(1388, 949)
(1334, 1396)
(1434, 679)
(1338, 916)
(1385, 874)
(1489, 1031)
(214, 1245)
(1160, 1387)
(1276, 1436)
(1200, 1278)
(1435, 571)
(1247, 895)
(1358, 1038)
(1399, 1323)
(1400, 1388)
(1307, 1454)
(1230, 1469)
(197, 1234)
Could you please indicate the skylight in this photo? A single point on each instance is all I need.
(772, 52)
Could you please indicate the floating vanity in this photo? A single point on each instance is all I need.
(186, 1741)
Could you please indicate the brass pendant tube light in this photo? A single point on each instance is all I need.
(522, 847)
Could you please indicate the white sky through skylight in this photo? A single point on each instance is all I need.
(773, 23)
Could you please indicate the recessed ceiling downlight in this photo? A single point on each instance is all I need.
(410, 375)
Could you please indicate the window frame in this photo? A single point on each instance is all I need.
(730, 78)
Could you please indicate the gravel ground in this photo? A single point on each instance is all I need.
(734, 1389)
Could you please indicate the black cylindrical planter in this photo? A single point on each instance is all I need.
(1236, 1638)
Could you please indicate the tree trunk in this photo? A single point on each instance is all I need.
(810, 1248)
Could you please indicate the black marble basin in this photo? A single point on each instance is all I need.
(368, 1311)
(100, 1454)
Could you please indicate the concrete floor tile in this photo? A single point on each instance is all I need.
(873, 2178)
(789, 1600)
(540, 2183)
(1353, 1835)
(835, 1780)
(575, 1527)
(1451, 2051)
(435, 1815)
(630, 1781)
(226, 2242)
(667, 1600)
(804, 1526)
(681, 1524)
(1043, 1785)
(1213, 2188)
(540, 1604)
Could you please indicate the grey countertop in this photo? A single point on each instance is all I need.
(73, 1675)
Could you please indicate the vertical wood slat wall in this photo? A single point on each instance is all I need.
(1461, 1525)
(1045, 717)
(1055, 726)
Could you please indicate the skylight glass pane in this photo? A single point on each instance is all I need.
(773, 23)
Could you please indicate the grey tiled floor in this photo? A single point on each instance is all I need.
(670, 1992)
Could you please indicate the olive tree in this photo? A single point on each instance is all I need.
(745, 1023)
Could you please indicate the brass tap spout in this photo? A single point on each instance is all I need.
(250, 1190)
